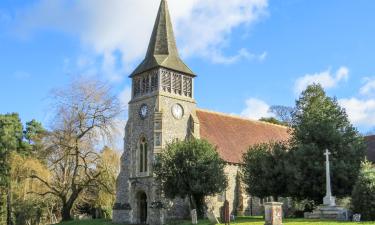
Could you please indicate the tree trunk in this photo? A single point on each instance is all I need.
(193, 210)
(200, 203)
(9, 204)
(193, 204)
(65, 212)
(67, 206)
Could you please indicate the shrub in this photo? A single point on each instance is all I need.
(363, 196)
(191, 168)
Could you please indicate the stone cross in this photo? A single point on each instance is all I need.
(328, 200)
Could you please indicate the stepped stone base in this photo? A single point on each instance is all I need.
(328, 212)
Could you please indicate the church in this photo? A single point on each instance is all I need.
(163, 109)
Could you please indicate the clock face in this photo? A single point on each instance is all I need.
(177, 111)
(143, 111)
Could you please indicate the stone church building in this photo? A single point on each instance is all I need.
(163, 109)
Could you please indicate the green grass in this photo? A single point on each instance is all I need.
(260, 221)
(241, 221)
(87, 222)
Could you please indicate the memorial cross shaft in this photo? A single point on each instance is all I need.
(328, 175)
(328, 200)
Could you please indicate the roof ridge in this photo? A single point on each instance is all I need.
(241, 118)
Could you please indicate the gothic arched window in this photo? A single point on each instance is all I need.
(143, 153)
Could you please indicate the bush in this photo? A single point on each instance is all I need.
(363, 196)
(193, 169)
(265, 170)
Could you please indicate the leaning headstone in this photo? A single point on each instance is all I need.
(194, 217)
(273, 213)
(357, 218)
(226, 213)
(212, 217)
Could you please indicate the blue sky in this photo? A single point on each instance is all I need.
(248, 54)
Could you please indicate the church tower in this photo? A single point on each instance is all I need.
(162, 109)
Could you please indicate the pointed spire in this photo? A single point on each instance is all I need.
(162, 50)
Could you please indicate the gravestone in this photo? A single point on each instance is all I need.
(273, 213)
(226, 213)
(357, 218)
(212, 217)
(194, 217)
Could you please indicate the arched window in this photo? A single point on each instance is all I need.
(143, 153)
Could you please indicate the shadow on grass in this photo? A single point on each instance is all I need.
(239, 220)
(260, 221)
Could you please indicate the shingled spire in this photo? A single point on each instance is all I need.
(162, 50)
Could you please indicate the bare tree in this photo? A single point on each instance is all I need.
(282, 113)
(85, 113)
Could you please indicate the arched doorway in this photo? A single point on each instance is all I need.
(142, 207)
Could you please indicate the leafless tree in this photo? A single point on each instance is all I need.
(282, 113)
(86, 112)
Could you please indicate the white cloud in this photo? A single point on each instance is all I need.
(109, 67)
(118, 134)
(361, 112)
(125, 97)
(256, 109)
(369, 87)
(203, 27)
(263, 56)
(218, 57)
(325, 78)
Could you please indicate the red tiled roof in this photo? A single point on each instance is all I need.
(234, 135)
(370, 140)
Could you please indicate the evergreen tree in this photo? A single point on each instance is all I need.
(190, 169)
(34, 140)
(319, 123)
(265, 170)
(34, 131)
(11, 136)
(363, 197)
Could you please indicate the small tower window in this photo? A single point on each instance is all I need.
(145, 84)
(143, 154)
(136, 87)
(158, 139)
(176, 84)
(157, 125)
(154, 82)
(187, 86)
(166, 81)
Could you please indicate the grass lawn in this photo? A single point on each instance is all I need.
(242, 221)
